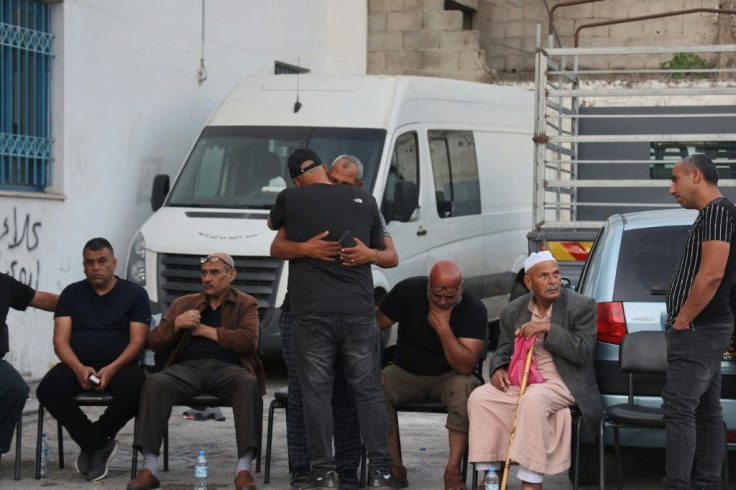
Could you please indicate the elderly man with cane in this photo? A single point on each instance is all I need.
(562, 325)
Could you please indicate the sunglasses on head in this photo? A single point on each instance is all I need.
(215, 259)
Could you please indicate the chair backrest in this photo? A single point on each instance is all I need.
(643, 352)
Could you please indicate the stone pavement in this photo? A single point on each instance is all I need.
(424, 444)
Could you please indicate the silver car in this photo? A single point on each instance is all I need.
(627, 273)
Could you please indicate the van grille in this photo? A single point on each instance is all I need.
(181, 274)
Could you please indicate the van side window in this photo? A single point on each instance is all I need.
(455, 168)
(404, 166)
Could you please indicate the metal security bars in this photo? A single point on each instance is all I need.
(610, 126)
(26, 50)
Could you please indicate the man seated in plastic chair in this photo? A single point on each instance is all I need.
(564, 326)
(441, 334)
(209, 341)
(100, 328)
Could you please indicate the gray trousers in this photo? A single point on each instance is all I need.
(179, 382)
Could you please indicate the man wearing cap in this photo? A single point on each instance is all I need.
(564, 323)
(209, 341)
(335, 313)
(441, 333)
(345, 170)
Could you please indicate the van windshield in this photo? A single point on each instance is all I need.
(245, 166)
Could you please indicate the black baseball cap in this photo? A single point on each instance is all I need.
(298, 157)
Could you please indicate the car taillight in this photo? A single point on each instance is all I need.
(611, 322)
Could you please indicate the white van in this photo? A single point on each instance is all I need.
(449, 162)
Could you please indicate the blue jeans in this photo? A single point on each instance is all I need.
(692, 406)
(348, 444)
(13, 394)
(318, 339)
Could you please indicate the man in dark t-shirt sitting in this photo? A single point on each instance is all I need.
(440, 339)
(100, 328)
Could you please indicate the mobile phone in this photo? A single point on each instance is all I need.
(94, 380)
(346, 239)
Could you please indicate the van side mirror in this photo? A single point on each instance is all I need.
(406, 200)
(566, 283)
(159, 191)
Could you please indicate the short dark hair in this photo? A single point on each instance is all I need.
(97, 244)
(704, 164)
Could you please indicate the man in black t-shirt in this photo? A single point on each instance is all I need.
(100, 328)
(335, 313)
(699, 328)
(440, 340)
(13, 390)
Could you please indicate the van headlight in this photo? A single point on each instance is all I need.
(136, 270)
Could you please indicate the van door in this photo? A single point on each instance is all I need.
(410, 236)
(455, 221)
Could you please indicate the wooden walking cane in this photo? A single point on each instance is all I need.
(522, 389)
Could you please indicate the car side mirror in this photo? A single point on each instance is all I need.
(406, 200)
(159, 191)
(566, 283)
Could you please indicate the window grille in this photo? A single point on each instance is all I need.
(26, 49)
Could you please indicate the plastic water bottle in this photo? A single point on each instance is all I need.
(44, 455)
(491, 479)
(200, 472)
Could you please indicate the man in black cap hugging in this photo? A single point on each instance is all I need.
(335, 313)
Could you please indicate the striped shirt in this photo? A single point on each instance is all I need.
(714, 222)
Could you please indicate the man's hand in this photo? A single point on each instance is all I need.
(188, 319)
(357, 255)
(533, 328)
(83, 373)
(500, 379)
(105, 374)
(319, 249)
(438, 318)
(680, 325)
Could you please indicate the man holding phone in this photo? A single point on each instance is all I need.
(345, 170)
(335, 315)
(100, 328)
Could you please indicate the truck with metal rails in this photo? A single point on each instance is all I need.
(606, 138)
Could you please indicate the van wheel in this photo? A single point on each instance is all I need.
(518, 290)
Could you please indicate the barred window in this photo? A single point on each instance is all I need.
(26, 49)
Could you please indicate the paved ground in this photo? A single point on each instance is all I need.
(424, 443)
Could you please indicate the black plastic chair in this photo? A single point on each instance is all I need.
(199, 402)
(639, 353)
(83, 399)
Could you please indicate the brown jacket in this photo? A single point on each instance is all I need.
(238, 331)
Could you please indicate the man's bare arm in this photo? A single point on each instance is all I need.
(45, 301)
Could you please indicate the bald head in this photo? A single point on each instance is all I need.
(221, 256)
(446, 273)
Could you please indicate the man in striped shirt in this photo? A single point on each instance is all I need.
(699, 328)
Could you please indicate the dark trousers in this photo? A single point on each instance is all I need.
(58, 388)
(13, 395)
(348, 444)
(318, 339)
(177, 383)
(692, 407)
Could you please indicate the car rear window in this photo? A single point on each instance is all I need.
(646, 261)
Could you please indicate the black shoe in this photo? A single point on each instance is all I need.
(99, 460)
(327, 481)
(385, 481)
(349, 481)
(82, 463)
(300, 477)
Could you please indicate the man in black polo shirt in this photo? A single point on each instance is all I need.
(699, 328)
(441, 333)
(100, 328)
(334, 309)
(13, 390)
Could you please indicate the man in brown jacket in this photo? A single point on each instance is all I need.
(210, 343)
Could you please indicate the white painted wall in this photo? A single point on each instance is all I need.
(128, 105)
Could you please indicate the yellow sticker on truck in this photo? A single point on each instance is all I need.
(570, 251)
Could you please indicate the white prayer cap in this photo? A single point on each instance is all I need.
(537, 257)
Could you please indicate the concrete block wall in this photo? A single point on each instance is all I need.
(507, 30)
(420, 37)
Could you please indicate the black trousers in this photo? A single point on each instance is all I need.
(60, 385)
(13, 394)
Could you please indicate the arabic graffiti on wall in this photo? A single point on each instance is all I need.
(19, 236)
